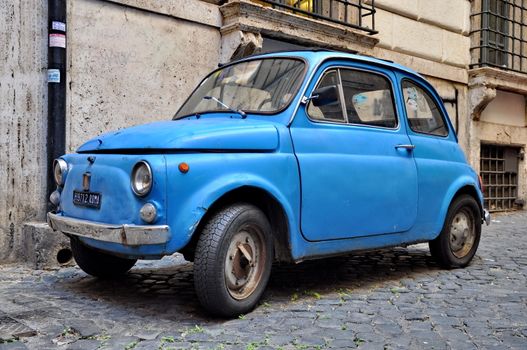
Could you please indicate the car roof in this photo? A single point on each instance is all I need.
(317, 55)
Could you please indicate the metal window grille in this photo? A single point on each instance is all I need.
(499, 172)
(357, 14)
(499, 34)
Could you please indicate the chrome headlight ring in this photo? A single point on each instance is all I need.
(60, 170)
(142, 178)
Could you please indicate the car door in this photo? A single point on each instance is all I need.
(436, 152)
(358, 175)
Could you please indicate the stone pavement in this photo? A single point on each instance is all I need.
(391, 299)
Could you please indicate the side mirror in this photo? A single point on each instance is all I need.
(325, 95)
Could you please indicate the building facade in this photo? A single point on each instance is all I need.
(134, 61)
(497, 90)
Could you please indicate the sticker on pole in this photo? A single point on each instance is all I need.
(54, 76)
(57, 40)
(60, 26)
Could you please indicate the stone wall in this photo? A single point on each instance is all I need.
(129, 62)
(430, 36)
(133, 61)
(507, 108)
(498, 115)
(23, 119)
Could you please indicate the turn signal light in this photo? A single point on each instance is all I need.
(183, 167)
(148, 213)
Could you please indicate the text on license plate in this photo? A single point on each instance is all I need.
(87, 199)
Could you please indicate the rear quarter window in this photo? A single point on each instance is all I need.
(424, 114)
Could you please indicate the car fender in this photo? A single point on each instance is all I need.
(459, 183)
(190, 212)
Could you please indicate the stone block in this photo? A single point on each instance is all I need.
(45, 248)
(403, 7)
(453, 15)
(419, 39)
(384, 24)
(237, 44)
(456, 49)
(428, 67)
(205, 12)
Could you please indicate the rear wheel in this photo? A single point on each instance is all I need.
(457, 243)
(99, 264)
(233, 260)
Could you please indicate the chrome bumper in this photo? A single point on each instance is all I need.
(130, 235)
(486, 216)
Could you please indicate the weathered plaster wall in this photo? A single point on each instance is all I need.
(430, 36)
(507, 108)
(130, 62)
(129, 66)
(23, 112)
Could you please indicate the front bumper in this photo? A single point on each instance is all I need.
(486, 216)
(129, 235)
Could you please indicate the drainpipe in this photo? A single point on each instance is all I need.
(56, 136)
(454, 101)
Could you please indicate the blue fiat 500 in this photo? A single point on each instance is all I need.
(278, 157)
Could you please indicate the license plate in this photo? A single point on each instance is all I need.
(87, 199)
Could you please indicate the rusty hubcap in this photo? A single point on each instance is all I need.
(462, 234)
(245, 262)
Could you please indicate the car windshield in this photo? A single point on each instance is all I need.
(262, 86)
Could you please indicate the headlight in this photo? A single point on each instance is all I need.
(60, 167)
(142, 179)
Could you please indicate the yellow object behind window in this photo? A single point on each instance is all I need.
(306, 5)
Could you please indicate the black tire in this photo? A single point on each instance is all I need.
(99, 264)
(458, 241)
(233, 259)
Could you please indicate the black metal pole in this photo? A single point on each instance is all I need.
(56, 136)
(457, 111)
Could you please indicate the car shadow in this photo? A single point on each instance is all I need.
(167, 292)
(359, 271)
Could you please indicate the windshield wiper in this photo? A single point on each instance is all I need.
(239, 111)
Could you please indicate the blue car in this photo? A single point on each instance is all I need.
(284, 157)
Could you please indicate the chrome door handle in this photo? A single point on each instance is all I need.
(407, 147)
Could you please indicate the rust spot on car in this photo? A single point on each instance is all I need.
(123, 236)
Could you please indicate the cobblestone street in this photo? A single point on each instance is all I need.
(395, 299)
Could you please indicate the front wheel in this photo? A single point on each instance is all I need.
(457, 243)
(99, 264)
(233, 260)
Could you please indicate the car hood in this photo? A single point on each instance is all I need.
(190, 134)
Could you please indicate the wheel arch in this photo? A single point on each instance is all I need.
(266, 202)
(464, 186)
(471, 191)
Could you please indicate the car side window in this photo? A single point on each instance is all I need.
(329, 112)
(423, 112)
(368, 98)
